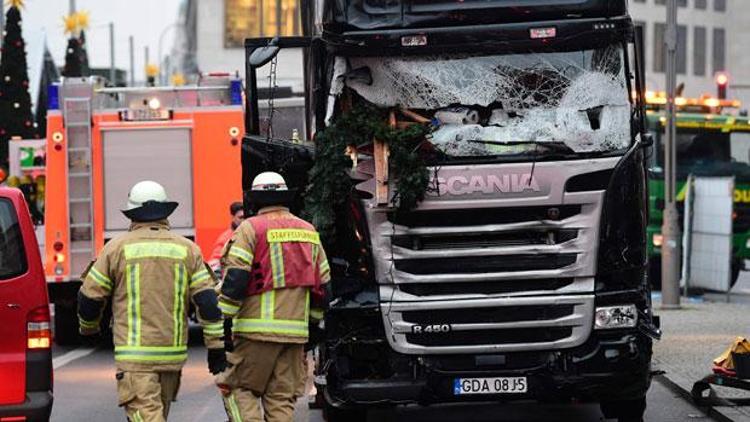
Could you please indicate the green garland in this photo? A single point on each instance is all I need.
(330, 186)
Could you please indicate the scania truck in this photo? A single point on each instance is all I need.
(522, 274)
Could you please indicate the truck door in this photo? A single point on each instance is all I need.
(265, 150)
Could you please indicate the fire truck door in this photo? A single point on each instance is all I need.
(162, 155)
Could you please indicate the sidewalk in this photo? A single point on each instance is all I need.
(693, 337)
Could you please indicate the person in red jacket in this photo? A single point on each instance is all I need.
(238, 215)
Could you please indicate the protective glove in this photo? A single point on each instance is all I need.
(217, 361)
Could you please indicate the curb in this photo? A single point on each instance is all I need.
(683, 387)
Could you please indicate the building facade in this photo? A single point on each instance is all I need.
(217, 29)
(711, 36)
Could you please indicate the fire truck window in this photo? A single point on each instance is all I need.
(12, 255)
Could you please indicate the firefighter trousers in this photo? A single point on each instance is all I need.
(262, 381)
(147, 396)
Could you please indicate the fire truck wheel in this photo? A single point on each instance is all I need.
(66, 324)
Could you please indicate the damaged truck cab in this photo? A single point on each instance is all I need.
(521, 273)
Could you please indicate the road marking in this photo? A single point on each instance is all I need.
(71, 356)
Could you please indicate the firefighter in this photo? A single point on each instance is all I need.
(238, 214)
(273, 265)
(151, 275)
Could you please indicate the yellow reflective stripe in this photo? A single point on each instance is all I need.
(234, 409)
(279, 326)
(277, 266)
(317, 314)
(325, 268)
(307, 305)
(268, 305)
(151, 353)
(155, 250)
(228, 308)
(178, 309)
(315, 250)
(244, 255)
(199, 277)
(88, 324)
(213, 329)
(100, 279)
(132, 277)
(292, 235)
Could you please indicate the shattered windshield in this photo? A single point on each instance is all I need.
(498, 105)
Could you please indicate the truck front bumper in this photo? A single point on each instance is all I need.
(608, 367)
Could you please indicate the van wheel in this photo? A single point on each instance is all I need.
(66, 324)
(336, 414)
(625, 410)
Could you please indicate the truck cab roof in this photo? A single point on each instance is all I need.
(365, 15)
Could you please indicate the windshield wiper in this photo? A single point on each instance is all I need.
(542, 146)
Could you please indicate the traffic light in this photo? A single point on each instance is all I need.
(722, 80)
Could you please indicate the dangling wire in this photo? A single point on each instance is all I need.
(271, 96)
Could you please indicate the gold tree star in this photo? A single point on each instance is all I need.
(152, 70)
(70, 23)
(15, 3)
(82, 19)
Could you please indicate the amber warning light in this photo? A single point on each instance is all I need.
(541, 33)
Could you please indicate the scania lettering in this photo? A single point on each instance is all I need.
(522, 273)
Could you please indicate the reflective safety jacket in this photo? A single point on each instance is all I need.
(267, 282)
(151, 275)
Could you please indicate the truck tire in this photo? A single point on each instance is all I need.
(337, 414)
(66, 324)
(625, 410)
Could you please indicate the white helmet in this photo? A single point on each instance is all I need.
(269, 181)
(144, 191)
(147, 201)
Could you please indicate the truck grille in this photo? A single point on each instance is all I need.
(485, 287)
(489, 324)
(486, 337)
(485, 264)
(480, 272)
(482, 216)
(489, 315)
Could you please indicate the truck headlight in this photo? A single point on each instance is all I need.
(657, 239)
(610, 317)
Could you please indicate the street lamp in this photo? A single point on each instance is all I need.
(161, 39)
(672, 238)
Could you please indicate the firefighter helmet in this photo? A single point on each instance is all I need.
(269, 189)
(147, 201)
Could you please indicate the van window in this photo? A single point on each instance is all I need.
(12, 255)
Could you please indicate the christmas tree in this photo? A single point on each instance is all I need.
(82, 18)
(15, 103)
(73, 53)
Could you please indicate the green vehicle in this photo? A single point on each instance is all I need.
(710, 142)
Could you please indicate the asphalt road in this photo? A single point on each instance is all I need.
(85, 390)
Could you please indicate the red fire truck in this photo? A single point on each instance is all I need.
(100, 141)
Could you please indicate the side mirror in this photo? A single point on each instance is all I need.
(261, 56)
(647, 139)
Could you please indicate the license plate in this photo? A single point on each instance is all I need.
(511, 385)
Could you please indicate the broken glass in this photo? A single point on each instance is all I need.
(579, 98)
